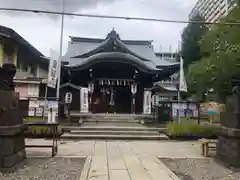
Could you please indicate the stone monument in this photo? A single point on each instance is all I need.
(228, 147)
(12, 145)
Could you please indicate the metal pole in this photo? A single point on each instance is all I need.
(226, 7)
(179, 119)
(60, 51)
(198, 109)
(45, 102)
(179, 49)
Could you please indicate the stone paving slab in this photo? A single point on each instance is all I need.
(126, 160)
(159, 174)
(119, 175)
(116, 164)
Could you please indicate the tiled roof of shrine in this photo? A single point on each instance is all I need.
(85, 51)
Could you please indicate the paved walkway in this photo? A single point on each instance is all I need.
(128, 160)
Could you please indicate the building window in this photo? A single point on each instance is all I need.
(18, 63)
(33, 90)
(33, 70)
(24, 67)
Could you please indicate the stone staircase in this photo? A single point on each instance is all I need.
(111, 126)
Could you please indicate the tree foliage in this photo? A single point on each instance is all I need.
(191, 37)
(219, 65)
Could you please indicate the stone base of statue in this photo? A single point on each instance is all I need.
(12, 145)
(228, 147)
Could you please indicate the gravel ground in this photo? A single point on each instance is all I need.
(48, 169)
(200, 169)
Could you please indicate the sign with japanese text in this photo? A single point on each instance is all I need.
(53, 69)
(84, 100)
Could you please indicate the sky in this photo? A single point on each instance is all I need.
(43, 31)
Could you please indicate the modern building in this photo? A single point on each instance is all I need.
(112, 68)
(212, 10)
(32, 68)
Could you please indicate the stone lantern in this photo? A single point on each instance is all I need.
(12, 145)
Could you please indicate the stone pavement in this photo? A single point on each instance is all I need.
(126, 160)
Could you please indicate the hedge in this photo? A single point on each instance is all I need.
(191, 131)
(39, 131)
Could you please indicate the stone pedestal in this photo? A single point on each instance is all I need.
(12, 145)
(228, 147)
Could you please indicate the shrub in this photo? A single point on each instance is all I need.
(189, 130)
(39, 131)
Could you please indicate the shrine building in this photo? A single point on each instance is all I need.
(116, 72)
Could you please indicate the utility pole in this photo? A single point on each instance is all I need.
(226, 7)
(60, 51)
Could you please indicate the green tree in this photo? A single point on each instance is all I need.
(191, 37)
(220, 62)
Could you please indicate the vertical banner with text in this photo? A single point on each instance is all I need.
(147, 107)
(53, 68)
(84, 100)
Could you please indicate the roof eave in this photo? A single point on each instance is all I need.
(108, 57)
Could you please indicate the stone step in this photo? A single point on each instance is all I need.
(111, 128)
(67, 136)
(110, 116)
(113, 124)
(98, 132)
(114, 117)
(111, 120)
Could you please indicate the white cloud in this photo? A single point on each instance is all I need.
(43, 32)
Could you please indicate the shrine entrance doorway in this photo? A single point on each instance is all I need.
(112, 99)
(123, 99)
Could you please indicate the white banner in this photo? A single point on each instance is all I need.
(53, 68)
(147, 102)
(84, 100)
(182, 80)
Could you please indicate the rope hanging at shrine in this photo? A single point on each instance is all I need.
(117, 82)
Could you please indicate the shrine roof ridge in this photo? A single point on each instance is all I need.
(161, 53)
(100, 40)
